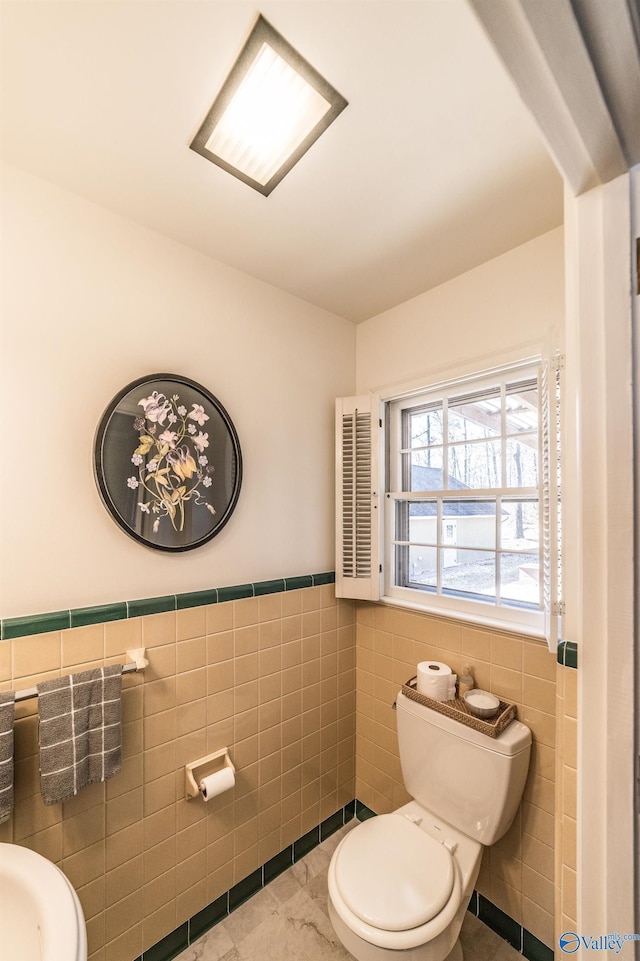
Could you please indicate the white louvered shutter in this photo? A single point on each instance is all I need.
(357, 514)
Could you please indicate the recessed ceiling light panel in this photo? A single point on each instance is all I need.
(271, 109)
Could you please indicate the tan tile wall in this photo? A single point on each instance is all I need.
(566, 775)
(517, 873)
(270, 677)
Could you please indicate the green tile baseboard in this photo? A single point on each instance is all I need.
(187, 933)
(12, 627)
(363, 813)
(568, 654)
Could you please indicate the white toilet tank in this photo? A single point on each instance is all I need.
(470, 780)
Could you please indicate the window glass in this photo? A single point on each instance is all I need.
(519, 525)
(423, 568)
(472, 574)
(521, 408)
(477, 466)
(520, 580)
(423, 470)
(522, 461)
(470, 531)
(425, 427)
(423, 521)
(469, 523)
(475, 417)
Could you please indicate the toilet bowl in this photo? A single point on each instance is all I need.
(401, 882)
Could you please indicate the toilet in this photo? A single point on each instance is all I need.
(401, 882)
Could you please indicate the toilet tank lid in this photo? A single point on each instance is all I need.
(514, 739)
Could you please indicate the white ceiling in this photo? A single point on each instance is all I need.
(433, 168)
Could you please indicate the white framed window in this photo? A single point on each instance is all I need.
(469, 520)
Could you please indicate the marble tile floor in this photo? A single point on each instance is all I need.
(288, 921)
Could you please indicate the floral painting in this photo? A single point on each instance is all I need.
(172, 493)
(172, 466)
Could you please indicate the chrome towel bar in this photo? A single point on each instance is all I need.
(138, 663)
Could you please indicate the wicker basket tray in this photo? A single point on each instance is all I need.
(459, 711)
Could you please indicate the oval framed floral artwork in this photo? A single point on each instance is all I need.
(167, 462)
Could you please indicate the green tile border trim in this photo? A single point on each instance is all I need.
(269, 587)
(362, 812)
(152, 605)
(501, 923)
(534, 949)
(330, 825)
(196, 599)
(328, 578)
(176, 941)
(296, 583)
(170, 946)
(246, 888)
(200, 923)
(306, 843)
(568, 654)
(12, 627)
(38, 624)
(235, 593)
(98, 614)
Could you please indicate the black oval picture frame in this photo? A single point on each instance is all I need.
(167, 462)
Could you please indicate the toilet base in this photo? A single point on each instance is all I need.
(439, 949)
(456, 954)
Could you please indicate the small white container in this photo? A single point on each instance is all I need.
(482, 703)
(465, 682)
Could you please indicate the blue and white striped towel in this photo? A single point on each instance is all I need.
(7, 714)
(80, 731)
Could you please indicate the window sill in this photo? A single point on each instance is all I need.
(476, 620)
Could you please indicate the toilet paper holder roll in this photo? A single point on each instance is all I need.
(203, 767)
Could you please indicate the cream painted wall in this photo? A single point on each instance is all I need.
(504, 306)
(90, 302)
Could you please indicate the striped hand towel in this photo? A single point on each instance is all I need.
(7, 712)
(79, 730)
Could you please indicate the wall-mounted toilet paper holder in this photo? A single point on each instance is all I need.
(195, 771)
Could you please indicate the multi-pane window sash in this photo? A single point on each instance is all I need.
(471, 518)
(467, 527)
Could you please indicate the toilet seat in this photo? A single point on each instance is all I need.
(392, 875)
(385, 937)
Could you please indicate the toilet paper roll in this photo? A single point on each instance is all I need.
(216, 783)
(436, 680)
